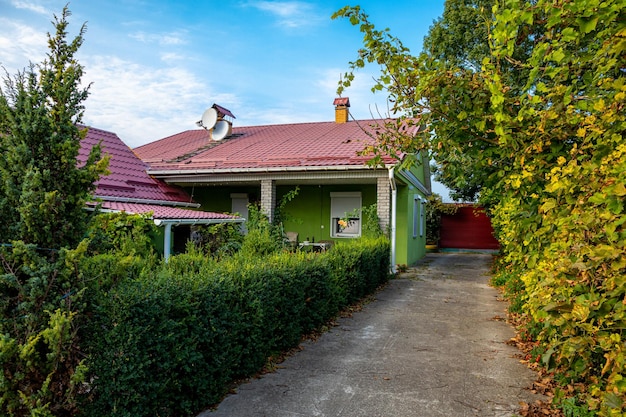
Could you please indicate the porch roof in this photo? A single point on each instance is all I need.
(162, 212)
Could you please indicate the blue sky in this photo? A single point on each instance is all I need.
(155, 66)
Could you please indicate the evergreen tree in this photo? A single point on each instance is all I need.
(43, 190)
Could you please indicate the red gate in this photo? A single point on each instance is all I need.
(468, 228)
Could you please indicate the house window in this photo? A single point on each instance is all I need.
(419, 218)
(345, 214)
(422, 218)
(240, 206)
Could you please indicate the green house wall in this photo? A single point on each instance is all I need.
(409, 249)
(217, 199)
(308, 213)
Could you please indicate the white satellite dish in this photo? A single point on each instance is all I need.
(209, 118)
(222, 129)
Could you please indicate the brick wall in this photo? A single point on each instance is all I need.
(383, 202)
(268, 198)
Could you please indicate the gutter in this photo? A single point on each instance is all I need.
(394, 198)
(169, 172)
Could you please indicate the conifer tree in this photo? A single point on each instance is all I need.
(43, 190)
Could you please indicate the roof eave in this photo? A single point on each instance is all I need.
(262, 170)
(409, 177)
(145, 201)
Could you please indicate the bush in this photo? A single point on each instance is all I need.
(169, 341)
(218, 240)
(39, 347)
(130, 234)
(509, 280)
(358, 269)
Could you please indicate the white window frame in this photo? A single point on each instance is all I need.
(419, 216)
(423, 217)
(416, 214)
(341, 205)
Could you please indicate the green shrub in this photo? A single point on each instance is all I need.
(130, 234)
(218, 240)
(39, 347)
(104, 271)
(168, 342)
(262, 237)
(359, 268)
(161, 346)
(509, 280)
(371, 222)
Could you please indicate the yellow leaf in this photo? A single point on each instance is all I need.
(580, 312)
(620, 189)
(599, 105)
(548, 205)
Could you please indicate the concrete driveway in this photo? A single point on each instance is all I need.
(431, 344)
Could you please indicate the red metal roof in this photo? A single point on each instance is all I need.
(305, 145)
(129, 188)
(162, 212)
(128, 177)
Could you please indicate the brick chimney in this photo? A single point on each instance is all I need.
(341, 109)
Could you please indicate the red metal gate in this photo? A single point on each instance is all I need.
(468, 228)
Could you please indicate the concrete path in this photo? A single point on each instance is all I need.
(431, 344)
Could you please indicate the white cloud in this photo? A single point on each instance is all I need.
(162, 39)
(143, 104)
(20, 44)
(171, 57)
(31, 6)
(290, 14)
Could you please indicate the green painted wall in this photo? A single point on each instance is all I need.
(409, 249)
(218, 199)
(418, 169)
(403, 222)
(309, 212)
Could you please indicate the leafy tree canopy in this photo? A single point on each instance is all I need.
(539, 128)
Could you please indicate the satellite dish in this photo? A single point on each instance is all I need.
(209, 118)
(222, 129)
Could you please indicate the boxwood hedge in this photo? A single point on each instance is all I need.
(169, 340)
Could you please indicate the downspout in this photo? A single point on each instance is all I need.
(394, 197)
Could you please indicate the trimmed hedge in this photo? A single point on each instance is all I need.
(169, 342)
